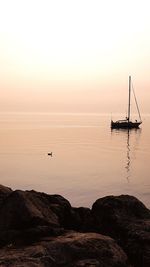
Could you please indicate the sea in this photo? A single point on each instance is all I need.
(89, 160)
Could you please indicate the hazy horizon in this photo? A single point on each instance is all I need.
(73, 56)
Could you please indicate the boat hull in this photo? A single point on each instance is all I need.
(124, 124)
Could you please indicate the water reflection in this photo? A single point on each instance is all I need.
(127, 167)
(132, 141)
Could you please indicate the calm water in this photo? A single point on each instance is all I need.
(89, 160)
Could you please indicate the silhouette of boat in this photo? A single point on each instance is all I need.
(127, 123)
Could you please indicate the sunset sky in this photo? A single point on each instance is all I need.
(73, 55)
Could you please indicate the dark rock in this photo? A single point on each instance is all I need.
(36, 222)
(4, 193)
(70, 250)
(26, 209)
(61, 207)
(30, 211)
(127, 220)
(80, 220)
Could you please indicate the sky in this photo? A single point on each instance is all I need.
(73, 55)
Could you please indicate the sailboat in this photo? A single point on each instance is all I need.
(127, 123)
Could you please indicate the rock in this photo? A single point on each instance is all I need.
(69, 250)
(32, 226)
(61, 207)
(26, 209)
(30, 211)
(81, 220)
(4, 193)
(5, 189)
(127, 220)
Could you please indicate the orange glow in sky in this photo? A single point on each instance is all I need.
(73, 56)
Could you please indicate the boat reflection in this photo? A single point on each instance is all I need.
(127, 167)
(132, 141)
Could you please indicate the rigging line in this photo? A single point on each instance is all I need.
(136, 103)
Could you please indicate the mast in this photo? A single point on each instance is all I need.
(129, 104)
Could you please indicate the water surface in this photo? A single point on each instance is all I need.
(89, 159)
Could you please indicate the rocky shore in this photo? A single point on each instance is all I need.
(37, 229)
